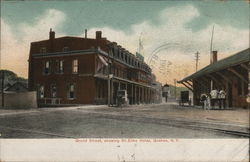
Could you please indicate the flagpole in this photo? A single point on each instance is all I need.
(211, 56)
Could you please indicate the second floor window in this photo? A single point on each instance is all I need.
(47, 67)
(59, 66)
(75, 66)
(65, 49)
(43, 50)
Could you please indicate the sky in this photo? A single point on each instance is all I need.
(171, 32)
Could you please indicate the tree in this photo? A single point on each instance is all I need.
(11, 76)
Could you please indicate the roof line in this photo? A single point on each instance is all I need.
(217, 63)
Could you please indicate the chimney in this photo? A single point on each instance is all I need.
(51, 34)
(98, 34)
(213, 57)
(86, 33)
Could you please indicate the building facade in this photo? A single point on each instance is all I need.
(75, 70)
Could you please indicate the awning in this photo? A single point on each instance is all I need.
(103, 60)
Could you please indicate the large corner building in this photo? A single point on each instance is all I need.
(81, 70)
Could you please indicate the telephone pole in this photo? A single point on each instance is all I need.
(197, 58)
(2, 88)
(175, 94)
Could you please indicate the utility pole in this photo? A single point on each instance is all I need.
(197, 58)
(2, 88)
(175, 88)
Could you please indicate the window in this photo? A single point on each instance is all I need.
(43, 50)
(53, 90)
(118, 53)
(126, 58)
(121, 55)
(75, 66)
(47, 67)
(65, 49)
(71, 91)
(41, 92)
(59, 66)
(115, 72)
(113, 52)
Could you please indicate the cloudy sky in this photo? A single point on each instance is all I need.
(169, 30)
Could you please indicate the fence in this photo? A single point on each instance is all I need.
(20, 100)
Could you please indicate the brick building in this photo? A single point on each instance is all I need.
(75, 70)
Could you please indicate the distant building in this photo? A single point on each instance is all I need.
(17, 96)
(14, 86)
(75, 70)
(17, 86)
(230, 74)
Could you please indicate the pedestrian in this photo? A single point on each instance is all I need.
(214, 94)
(222, 99)
(203, 99)
(208, 102)
(166, 97)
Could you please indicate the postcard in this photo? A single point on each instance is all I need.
(135, 80)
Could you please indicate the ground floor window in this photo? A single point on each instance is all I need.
(71, 91)
(41, 91)
(53, 90)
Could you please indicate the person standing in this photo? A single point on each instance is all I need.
(203, 99)
(222, 99)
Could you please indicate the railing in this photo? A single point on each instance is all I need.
(52, 101)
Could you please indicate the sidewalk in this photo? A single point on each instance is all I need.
(4, 112)
(237, 116)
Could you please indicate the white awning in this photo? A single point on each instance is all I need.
(103, 60)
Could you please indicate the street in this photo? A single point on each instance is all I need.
(144, 121)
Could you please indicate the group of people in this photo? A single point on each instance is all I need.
(208, 100)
